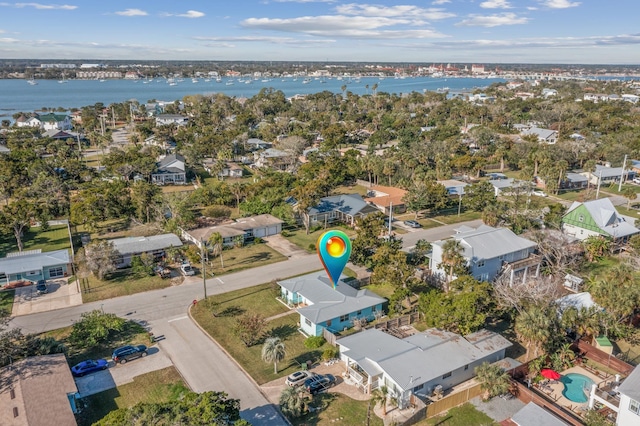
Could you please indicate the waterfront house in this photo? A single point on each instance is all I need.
(154, 246)
(38, 391)
(419, 363)
(29, 266)
(171, 170)
(488, 251)
(597, 217)
(55, 121)
(320, 306)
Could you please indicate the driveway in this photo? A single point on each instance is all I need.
(285, 247)
(120, 374)
(60, 295)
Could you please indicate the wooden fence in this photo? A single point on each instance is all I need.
(398, 322)
(527, 395)
(608, 360)
(453, 400)
(329, 337)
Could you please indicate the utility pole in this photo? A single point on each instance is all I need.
(599, 180)
(390, 216)
(624, 164)
(204, 271)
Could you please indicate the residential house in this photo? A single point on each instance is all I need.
(155, 246)
(38, 391)
(322, 307)
(570, 181)
(596, 217)
(29, 266)
(32, 121)
(505, 186)
(228, 168)
(343, 208)
(60, 134)
(534, 415)
(417, 364)
(595, 97)
(166, 119)
(454, 187)
(605, 175)
(629, 407)
(166, 144)
(488, 251)
(55, 121)
(546, 92)
(171, 170)
(239, 232)
(255, 144)
(274, 158)
(630, 98)
(386, 197)
(635, 166)
(547, 136)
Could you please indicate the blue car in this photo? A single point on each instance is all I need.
(89, 366)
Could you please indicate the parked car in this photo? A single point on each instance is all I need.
(41, 287)
(127, 353)
(539, 193)
(299, 377)
(89, 366)
(186, 269)
(319, 383)
(412, 224)
(636, 180)
(162, 271)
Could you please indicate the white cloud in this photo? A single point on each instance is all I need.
(132, 12)
(493, 20)
(8, 40)
(408, 11)
(560, 4)
(341, 26)
(46, 6)
(188, 14)
(228, 41)
(495, 4)
(437, 2)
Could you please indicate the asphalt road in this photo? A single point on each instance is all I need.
(203, 364)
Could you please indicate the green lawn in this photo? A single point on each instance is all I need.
(249, 256)
(464, 415)
(55, 238)
(337, 409)
(454, 218)
(6, 301)
(159, 386)
(301, 239)
(229, 306)
(351, 189)
(121, 283)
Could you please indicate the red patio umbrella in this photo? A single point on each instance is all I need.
(550, 374)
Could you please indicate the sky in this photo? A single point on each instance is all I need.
(423, 31)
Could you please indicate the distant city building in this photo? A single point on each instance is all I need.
(66, 66)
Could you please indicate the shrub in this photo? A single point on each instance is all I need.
(329, 353)
(216, 212)
(285, 233)
(312, 247)
(314, 342)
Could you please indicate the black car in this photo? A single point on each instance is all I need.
(319, 383)
(127, 353)
(41, 287)
(412, 224)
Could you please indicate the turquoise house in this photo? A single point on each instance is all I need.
(322, 307)
(30, 266)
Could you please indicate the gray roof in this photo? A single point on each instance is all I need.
(606, 217)
(255, 222)
(607, 172)
(631, 385)
(165, 165)
(421, 357)
(487, 242)
(325, 302)
(540, 133)
(576, 177)
(17, 264)
(502, 183)
(350, 204)
(131, 245)
(534, 415)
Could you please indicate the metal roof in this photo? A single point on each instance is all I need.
(606, 217)
(486, 242)
(631, 385)
(350, 204)
(17, 264)
(534, 415)
(131, 245)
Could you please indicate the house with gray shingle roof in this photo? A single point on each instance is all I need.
(487, 250)
(596, 217)
(155, 246)
(344, 208)
(171, 170)
(322, 307)
(417, 364)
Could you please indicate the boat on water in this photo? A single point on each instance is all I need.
(229, 83)
(306, 81)
(32, 82)
(442, 89)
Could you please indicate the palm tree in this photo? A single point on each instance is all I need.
(292, 401)
(379, 397)
(273, 351)
(452, 257)
(493, 380)
(533, 327)
(215, 241)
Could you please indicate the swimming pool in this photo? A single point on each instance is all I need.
(576, 387)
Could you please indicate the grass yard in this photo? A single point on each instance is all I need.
(301, 239)
(132, 333)
(464, 415)
(337, 409)
(121, 283)
(54, 238)
(166, 189)
(229, 306)
(249, 256)
(160, 386)
(454, 218)
(351, 189)
(6, 301)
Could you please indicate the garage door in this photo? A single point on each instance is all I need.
(260, 233)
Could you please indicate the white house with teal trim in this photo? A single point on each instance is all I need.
(33, 265)
(321, 306)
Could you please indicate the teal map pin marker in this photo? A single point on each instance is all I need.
(334, 249)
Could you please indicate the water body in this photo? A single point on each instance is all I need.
(19, 96)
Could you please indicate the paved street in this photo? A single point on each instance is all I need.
(203, 364)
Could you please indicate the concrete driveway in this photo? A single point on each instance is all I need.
(285, 247)
(60, 295)
(120, 374)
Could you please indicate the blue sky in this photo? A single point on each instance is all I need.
(503, 31)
